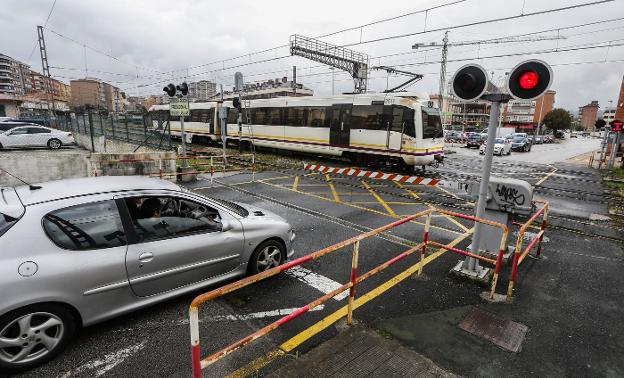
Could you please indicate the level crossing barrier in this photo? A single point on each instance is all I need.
(519, 253)
(198, 363)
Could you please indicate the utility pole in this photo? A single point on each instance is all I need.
(295, 80)
(443, 70)
(46, 73)
(223, 127)
(332, 69)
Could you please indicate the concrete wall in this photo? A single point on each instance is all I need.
(141, 163)
(42, 165)
(105, 145)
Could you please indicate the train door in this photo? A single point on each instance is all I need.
(340, 124)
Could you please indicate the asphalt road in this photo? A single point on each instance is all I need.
(543, 153)
(569, 299)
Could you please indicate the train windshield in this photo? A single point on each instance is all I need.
(432, 126)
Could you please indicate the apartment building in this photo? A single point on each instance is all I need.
(202, 90)
(588, 115)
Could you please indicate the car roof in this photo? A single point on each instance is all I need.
(60, 189)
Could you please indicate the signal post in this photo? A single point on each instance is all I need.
(528, 80)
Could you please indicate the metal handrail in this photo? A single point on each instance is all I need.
(198, 363)
(519, 253)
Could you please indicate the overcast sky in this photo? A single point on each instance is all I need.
(150, 39)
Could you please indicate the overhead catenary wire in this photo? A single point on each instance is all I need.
(44, 25)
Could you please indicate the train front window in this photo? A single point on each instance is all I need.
(408, 120)
(432, 126)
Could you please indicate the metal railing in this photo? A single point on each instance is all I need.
(519, 253)
(132, 129)
(198, 363)
(198, 164)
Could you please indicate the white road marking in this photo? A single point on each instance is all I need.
(217, 318)
(254, 315)
(321, 283)
(106, 363)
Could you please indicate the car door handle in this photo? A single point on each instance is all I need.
(146, 257)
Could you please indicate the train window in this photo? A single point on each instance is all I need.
(259, 116)
(232, 116)
(432, 126)
(195, 115)
(397, 119)
(274, 116)
(368, 117)
(316, 116)
(408, 119)
(295, 116)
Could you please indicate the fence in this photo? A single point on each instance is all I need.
(198, 364)
(167, 166)
(132, 129)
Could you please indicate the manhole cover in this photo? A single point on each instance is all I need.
(504, 333)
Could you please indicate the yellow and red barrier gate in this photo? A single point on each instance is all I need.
(198, 363)
(519, 253)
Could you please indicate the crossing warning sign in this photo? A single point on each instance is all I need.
(179, 107)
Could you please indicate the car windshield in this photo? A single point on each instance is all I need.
(518, 139)
(500, 140)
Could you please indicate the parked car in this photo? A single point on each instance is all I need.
(559, 134)
(36, 121)
(474, 140)
(501, 147)
(80, 251)
(537, 139)
(35, 136)
(453, 136)
(520, 143)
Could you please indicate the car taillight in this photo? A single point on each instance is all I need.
(69, 134)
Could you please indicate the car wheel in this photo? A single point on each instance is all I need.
(269, 254)
(54, 144)
(33, 335)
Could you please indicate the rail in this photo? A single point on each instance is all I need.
(198, 363)
(519, 253)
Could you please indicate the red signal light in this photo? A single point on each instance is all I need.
(528, 80)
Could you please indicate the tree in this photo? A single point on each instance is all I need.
(558, 119)
(600, 123)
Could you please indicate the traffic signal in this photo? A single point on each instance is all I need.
(470, 82)
(236, 102)
(529, 79)
(170, 89)
(183, 88)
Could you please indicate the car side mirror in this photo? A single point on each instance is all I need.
(225, 225)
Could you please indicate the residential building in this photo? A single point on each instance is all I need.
(87, 92)
(114, 99)
(588, 115)
(451, 112)
(134, 104)
(202, 90)
(525, 115)
(608, 115)
(98, 94)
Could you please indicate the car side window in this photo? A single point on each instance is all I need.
(19, 131)
(95, 225)
(156, 218)
(38, 130)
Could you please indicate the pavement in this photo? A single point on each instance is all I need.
(569, 299)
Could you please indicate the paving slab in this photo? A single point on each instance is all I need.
(360, 352)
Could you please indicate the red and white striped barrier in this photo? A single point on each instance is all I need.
(374, 175)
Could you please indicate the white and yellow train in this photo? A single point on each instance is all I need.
(398, 128)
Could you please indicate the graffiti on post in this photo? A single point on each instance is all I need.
(509, 195)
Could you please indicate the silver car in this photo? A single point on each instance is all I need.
(80, 251)
(35, 136)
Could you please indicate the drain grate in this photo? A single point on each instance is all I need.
(504, 333)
